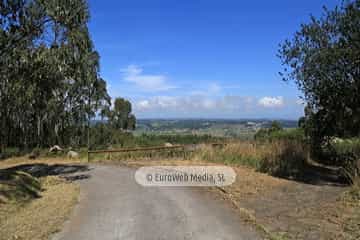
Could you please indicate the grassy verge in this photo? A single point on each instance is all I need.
(279, 158)
(33, 208)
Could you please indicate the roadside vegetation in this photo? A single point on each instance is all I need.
(33, 207)
(50, 90)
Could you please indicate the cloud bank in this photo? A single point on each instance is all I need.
(155, 96)
(221, 106)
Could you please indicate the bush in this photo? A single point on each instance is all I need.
(292, 134)
(346, 153)
(287, 159)
(103, 136)
(10, 152)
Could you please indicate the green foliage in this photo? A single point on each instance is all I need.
(49, 70)
(288, 158)
(288, 134)
(104, 135)
(275, 126)
(323, 59)
(10, 152)
(264, 133)
(235, 159)
(120, 116)
(147, 139)
(276, 132)
(346, 153)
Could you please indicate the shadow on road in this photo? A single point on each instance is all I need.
(66, 171)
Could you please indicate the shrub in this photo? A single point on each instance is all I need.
(346, 153)
(292, 134)
(10, 152)
(287, 159)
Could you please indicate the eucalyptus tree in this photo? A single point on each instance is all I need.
(50, 84)
(120, 116)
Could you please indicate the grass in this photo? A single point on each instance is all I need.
(33, 208)
(350, 204)
(240, 153)
(280, 158)
(18, 186)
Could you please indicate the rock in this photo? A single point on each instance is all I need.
(32, 156)
(55, 149)
(72, 154)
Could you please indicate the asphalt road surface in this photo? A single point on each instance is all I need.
(113, 206)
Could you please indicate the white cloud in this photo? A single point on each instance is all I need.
(193, 103)
(147, 82)
(214, 88)
(216, 106)
(211, 90)
(269, 102)
(144, 104)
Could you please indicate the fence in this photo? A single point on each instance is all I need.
(180, 148)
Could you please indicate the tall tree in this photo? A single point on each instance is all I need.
(323, 59)
(49, 83)
(120, 117)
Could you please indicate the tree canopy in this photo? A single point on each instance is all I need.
(323, 59)
(120, 117)
(49, 73)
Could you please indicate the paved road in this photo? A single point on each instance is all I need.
(113, 206)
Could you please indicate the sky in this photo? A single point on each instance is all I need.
(200, 58)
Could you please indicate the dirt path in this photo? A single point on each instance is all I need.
(292, 209)
(113, 206)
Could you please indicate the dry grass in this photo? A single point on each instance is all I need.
(11, 162)
(41, 216)
(240, 153)
(281, 158)
(32, 208)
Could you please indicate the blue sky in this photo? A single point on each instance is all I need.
(199, 58)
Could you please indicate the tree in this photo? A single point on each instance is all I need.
(323, 59)
(120, 116)
(265, 133)
(49, 73)
(275, 126)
